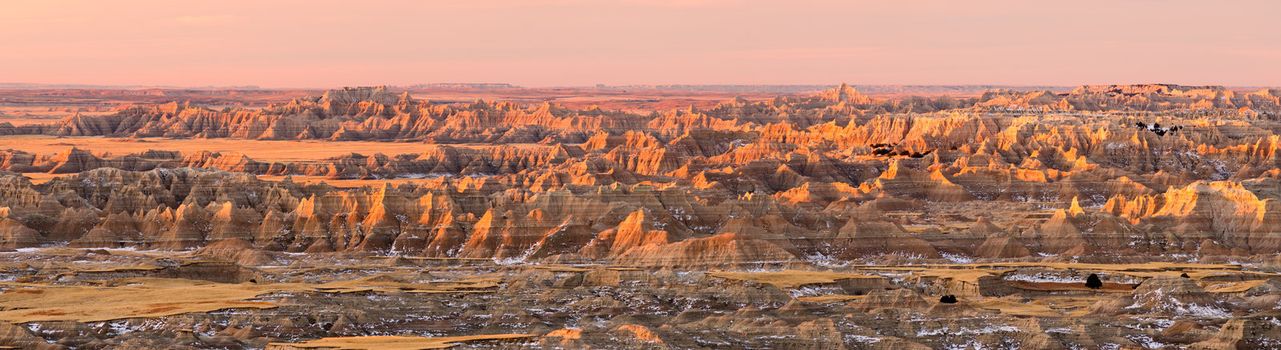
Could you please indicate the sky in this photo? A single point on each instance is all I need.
(322, 43)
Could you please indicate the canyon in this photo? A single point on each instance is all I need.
(502, 217)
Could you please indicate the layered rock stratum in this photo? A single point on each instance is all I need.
(782, 179)
(912, 194)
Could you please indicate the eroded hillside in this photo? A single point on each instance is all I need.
(875, 206)
(1163, 170)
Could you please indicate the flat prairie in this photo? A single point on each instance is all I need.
(261, 150)
(789, 278)
(392, 342)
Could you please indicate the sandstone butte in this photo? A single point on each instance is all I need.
(366, 218)
(837, 174)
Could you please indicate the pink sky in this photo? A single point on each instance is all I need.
(583, 42)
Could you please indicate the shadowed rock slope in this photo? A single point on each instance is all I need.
(1164, 170)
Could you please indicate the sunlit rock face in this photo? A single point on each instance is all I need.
(826, 220)
(1098, 172)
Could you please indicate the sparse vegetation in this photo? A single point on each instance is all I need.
(1093, 282)
(790, 278)
(508, 217)
(394, 342)
(156, 297)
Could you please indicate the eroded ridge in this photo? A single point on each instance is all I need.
(366, 217)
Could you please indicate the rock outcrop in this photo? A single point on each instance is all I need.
(836, 175)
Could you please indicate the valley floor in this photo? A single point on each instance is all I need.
(130, 299)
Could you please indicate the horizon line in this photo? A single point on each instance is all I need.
(505, 85)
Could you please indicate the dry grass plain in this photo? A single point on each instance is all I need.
(285, 151)
(141, 298)
(260, 150)
(971, 273)
(307, 282)
(158, 297)
(392, 342)
(789, 278)
(45, 114)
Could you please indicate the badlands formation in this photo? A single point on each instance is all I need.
(810, 221)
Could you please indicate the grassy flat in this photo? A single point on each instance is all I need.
(391, 342)
(145, 298)
(789, 278)
(1233, 287)
(1065, 287)
(157, 297)
(831, 298)
(259, 150)
(1017, 308)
